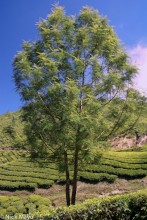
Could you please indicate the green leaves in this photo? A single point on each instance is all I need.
(74, 83)
(74, 76)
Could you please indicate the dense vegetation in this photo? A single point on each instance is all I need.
(75, 82)
(67, 115)
(13, 122)
(15, 205)
(22, 174)
(124, 207)
(11, 130)
(17, 171)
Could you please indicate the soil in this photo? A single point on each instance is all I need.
(126, 142)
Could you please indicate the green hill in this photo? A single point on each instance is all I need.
(19, 175)
(17, 171)
(10, 124)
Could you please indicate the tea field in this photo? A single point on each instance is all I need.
(18, 172)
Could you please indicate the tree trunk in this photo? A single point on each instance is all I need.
(137, 137)
(67, 179)
(76, 156)
(74, 189)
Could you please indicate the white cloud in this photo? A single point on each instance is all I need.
(138, 55)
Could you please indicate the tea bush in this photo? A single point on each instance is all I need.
(123, 207)
(23, 205)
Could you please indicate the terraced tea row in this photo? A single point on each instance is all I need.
(27, 174)
(118, 164)
(21, 173)
(9, 155)
(96, 177)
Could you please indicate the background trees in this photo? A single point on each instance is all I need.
(75, 83)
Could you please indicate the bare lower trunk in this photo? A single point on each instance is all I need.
(74, 189)
(67, 179)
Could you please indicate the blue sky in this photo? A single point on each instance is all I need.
(18, 20)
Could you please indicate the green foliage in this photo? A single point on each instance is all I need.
(106, 166)
(12, 130)
(62, 104)
(7, 155)
(26, 175)
(138, 206)
(9, 185)
(14, 205)
(75, 83)
(122, 207)
(124, 165)
(96, 177)
(141, 125)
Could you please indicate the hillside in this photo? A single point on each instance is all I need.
(34, 187)
(8, 121)
(18, 172)
(13, 120)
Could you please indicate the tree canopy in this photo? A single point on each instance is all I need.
(75, 82)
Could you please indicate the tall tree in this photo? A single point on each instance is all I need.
(74, 82)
